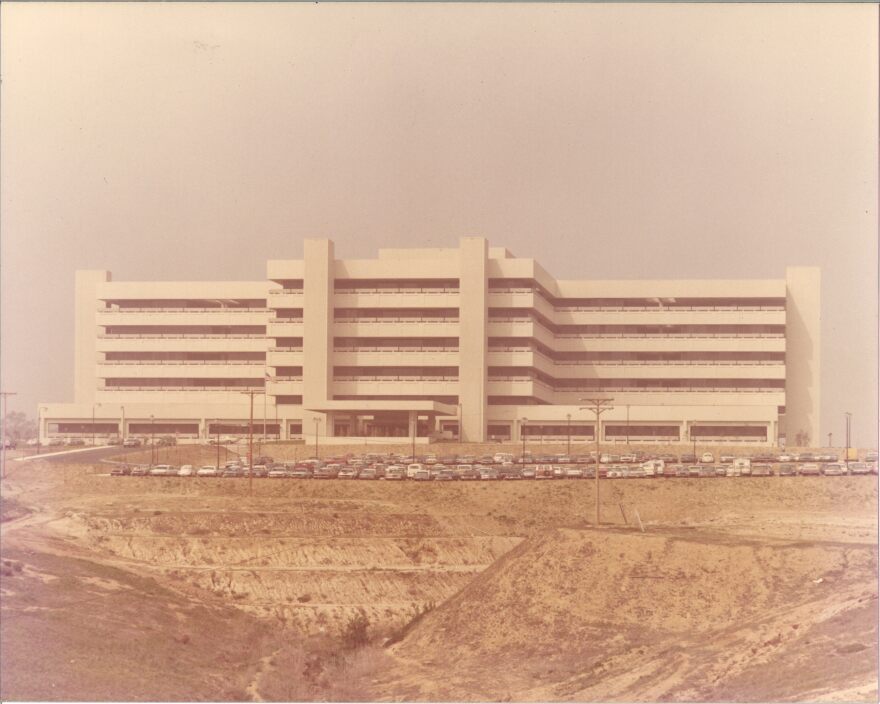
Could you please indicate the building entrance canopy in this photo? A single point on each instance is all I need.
(423, 408)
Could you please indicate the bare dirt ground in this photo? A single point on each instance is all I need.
(757, 589)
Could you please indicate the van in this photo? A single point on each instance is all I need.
(413, 469)
(743, 465)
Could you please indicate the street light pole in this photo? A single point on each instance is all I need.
(122, 429)
(522, 432)
(93, 425)
(151, 441)
(415, 429)
(4, 395)
(217, 421)
(568, 444)
(598, 407)
(317, 423)
(251, 440)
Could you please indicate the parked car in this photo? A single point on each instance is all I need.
(75, 442)
(131, 442)
(162, 470)
(761, 470)
(574, 473)
(422, 475)
(468, 475)
(347, 473)
(707, 458)
(185, 470)
(528, 473)
(368, 473)
(787, 469)
(871, 456)
(809, 469)
(488, 474)
(395, 473)
(120, 470)
(206, 471)
(834, 469)
(726, 459)
(55, 442)
(139, 471)
(859, 468)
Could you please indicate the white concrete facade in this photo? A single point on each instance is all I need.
(417, 340)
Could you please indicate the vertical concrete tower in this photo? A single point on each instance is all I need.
(472, 341)
(802, 353)
(317, 328)
(86, 333)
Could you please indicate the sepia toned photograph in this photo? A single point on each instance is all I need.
(439, 352)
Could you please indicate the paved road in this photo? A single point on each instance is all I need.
(87, 456)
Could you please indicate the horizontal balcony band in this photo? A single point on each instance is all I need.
(182, 336)
(285, 291)
(195, 389)
(280, 379)
(395, 320)
(184, 310)
(395, 349)
(419, 379)
(392, 291)
(183, 362)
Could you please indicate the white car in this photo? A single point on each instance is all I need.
(707, 458)
(834, 469)
(413, 469)
(185, 470)
(162, 470)
(207, 471)
(784, 457)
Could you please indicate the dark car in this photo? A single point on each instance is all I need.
(688, 459)
(120, 471)
(761, 470)
(787, 470)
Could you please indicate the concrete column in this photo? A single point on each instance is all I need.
(413, 423)
(317, 322)
(86, 330)
(802, 353)
(473, 343)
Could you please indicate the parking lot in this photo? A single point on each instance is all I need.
(507, 467)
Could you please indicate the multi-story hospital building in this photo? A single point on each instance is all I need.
(468, 342)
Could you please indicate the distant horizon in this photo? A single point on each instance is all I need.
(195, 142)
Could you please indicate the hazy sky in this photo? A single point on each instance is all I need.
(196, 141)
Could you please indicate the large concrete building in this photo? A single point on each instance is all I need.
(467, 342)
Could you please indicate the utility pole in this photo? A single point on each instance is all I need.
(829, 440)
(251, 442)
(122, 429)
(5, 395)
(598, 407)
(848, 421)
(522, 432)
(152, 444)
(317, 423)
(217, 421)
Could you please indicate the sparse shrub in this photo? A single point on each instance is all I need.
(355, 633)
(304, 598)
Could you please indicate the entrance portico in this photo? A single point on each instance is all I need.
(388, 420)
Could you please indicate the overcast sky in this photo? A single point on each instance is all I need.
(196, 141)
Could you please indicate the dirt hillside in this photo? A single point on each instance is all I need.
(620, 615)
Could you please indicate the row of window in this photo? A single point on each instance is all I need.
(185, 303)
(735, 302)
(500, 315)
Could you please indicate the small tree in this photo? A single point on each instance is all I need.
(18, 427)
